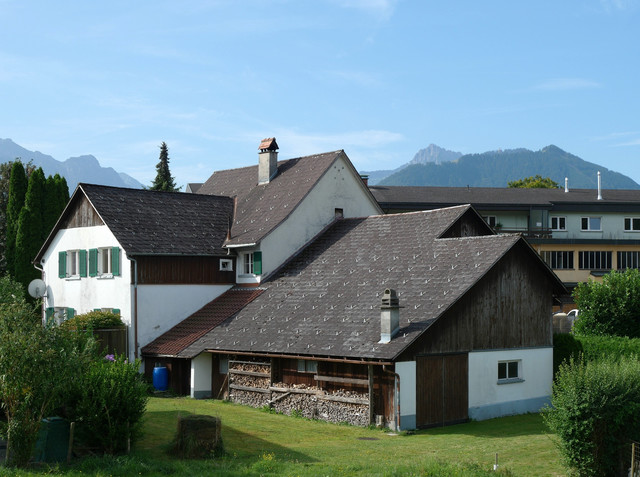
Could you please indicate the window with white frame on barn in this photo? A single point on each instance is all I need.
(510, 371)
(252, 263)
(590, 224)
(632, 224)
(226, 265)
(72, 264)
(558, 223)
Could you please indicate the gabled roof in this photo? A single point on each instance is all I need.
(326, 301)
(260, 208)
(156, 223)
(419, 196)
(177, 339)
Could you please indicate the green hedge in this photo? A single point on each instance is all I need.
(94, 320)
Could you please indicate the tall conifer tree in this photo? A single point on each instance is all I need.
(163, 180)
(15, 203)
(29, 237)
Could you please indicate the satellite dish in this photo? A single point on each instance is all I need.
(37, 288)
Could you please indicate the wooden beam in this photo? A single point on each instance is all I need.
(336, 379)
(371, 407)
(249, 373)
(249, 388)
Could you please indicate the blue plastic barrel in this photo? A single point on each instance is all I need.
(161, 378)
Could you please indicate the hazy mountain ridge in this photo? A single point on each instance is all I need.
(75, 169)
(497, 168)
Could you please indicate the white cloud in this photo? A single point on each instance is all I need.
(566, 84)
(382, 9)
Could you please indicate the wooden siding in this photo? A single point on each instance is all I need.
(509, 308)
(82, 214)
(160, 270)
(441, 390)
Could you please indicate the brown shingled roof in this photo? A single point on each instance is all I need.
(326, 301)
(177, 339)
(261, 208)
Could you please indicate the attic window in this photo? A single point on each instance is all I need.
(226, 265)
(252, 263)
(339, 213)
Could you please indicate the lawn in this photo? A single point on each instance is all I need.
(262, 443)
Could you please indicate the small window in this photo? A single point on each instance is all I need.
(509, 371)
(72, 264)
(558, 223)
(57, 315)
(306, 366)
(491, 220)
(338, 213)
(252, 263)
(591, 223)
(632, 224)
(226, 265)
(104, 262)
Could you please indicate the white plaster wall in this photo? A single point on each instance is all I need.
(160, 307)
(339, 188)
(201, 376)
(612, 225)
(407, 372)
(537, 372)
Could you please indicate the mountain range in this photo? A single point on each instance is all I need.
(74, 170)
(435, 166)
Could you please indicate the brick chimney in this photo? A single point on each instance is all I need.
(389, 315)
(267, 160)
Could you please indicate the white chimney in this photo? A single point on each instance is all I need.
(267, 160)
(566, 184)
(599, 187)
(389, 315)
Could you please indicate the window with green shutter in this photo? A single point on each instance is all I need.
(82, 254)
(62, 264)
(93, 262)
(48, 316)
(115, 261)
(257, 263)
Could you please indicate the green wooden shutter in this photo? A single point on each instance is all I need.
(257, 263)
(48, 316)
(93, 262)
(82, 254)
(115, 261)
(62, 264)
(70, 312)
(115, 311)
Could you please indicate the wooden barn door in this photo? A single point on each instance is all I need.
(442, 390)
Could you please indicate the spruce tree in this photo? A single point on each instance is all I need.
(15, 203)
(163, 180)
(29, 237)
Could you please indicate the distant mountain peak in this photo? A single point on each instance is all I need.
(75, 169)
(434, 154)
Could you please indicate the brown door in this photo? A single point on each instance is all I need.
(442, 388)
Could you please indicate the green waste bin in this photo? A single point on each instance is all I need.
(53, 440)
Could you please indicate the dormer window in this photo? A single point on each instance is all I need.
(252, 263)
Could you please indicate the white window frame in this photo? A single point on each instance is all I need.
(247, 263)
(105, 267)
(561, 222)
(491, 220)
(511, 371)
(73, 264)
(634, 224)
(226, 265)
(590, 225)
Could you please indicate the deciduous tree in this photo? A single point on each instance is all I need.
(533, 182)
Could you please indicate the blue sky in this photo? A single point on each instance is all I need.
(378, 78)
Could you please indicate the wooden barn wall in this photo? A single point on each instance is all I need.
(469, 225)
(176, 270)
(82, 214)
(509, 308)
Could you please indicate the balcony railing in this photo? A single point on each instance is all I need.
(538, 232)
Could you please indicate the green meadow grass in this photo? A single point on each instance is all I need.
(262, 443)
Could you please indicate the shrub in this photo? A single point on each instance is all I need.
(109, 401)
(94, 320)
(611, 307)
(608, 347)
(565, 347)
(596, 412)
